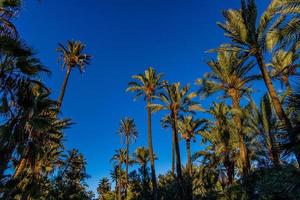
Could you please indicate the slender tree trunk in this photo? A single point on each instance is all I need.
(116, 190)
(63, 89)
(120, 184)
(274, 156)
(178, 160)
(189, 162)
(276, 102)
(229, 165)
(127, 161)
(173, 152)
(243, 148)
(153, 175)
(190, 170)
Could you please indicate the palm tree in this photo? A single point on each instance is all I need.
(248, 35)
(128, 129)
(177, 100)
(103, 188)
(222, 142)
(230, 76)
(267, 124)
(188, 127)
(72, 56)
(167, 123)
(119, 158)
(141, 156)
(147, 85)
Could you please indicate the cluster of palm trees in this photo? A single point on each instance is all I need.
(31, 129)
(240, 136)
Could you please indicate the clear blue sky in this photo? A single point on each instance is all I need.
(124, 37)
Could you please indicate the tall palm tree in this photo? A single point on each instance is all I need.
(147, 85)
(119, 158)
(103, 188)
(128, 129)
(230, 76)
(141, 156)
(219, 134)
(250, 35)
(188, 127)
(177, 100)
(72, 56)
(267, 124)
(167, 123)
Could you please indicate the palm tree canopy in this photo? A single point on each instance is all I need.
(141, 156)
(73, 55)
(188, 126)
(284, 64)
(229, 73)
(147, 84)
(128, 128)
(119, 157)
(177, 99)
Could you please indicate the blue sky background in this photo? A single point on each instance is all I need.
(124, 37)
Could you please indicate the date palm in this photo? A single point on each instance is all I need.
(129, 131)
(230, 76)
(177, 100)
(147, 85)
(188, 127)
(119, 158)
(250, 34)
(103, 188)
(72, 56)
(219, 134)
(267, 125)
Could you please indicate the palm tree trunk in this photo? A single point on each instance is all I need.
(189, 168)
(273, 151)
(116, 189)
(127, 161)
(173, 152)
(229, 165)
(189, 162)
(243, 148)
(63, 89)
(276, 102)
(153, 175)
(178, 160)
(120, 182)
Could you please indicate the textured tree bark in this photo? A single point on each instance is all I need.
(189, 162)
(63, 89)
(243, 148)
(127, 160)
(178, 160)
(153, 175)
(173, 152)
(119, 189)
(276, 102)
(190, 170)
